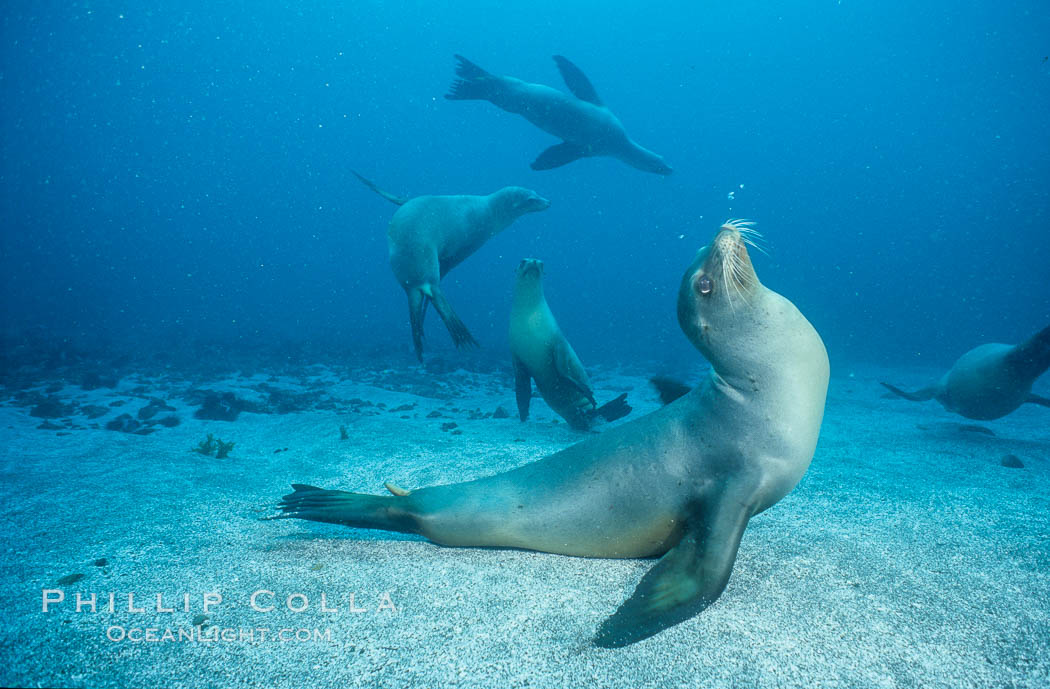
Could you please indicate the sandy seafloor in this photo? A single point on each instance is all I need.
(907, 557)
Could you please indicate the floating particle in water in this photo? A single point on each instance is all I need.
(731, 195)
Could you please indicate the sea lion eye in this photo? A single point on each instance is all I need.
(704, 285)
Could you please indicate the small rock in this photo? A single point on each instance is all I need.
(48, 426)
(93, 411)
(169, 421)
(70, 579)
(200, 620)
(51, 408)
(124, 423)
(1012, 462)
(457, 432)
(435, 414)
(101, 562)
(500, 413)
(449, 425)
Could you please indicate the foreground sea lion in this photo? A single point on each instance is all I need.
(587, 127)
(430, 235)
(990, 381)
(540, 351)
(681, 482)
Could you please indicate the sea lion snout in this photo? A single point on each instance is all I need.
(662, 168)
(530, 266)
(535, 202)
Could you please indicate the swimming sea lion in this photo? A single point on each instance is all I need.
(540, 351)
(587, 127)
(681, 482)
(430, 235)
(990, 381)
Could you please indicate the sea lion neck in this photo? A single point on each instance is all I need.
(528, 289)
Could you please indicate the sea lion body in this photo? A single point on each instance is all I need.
(582, 121)
(991, 380)
(681, 482)
(430, 235)
(540, 352)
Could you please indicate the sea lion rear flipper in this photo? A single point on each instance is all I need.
(474, 83)
(417, 309)
(460, 335)
(349, 509)
(1036, 399)
(669, 389)
(922, 395)
(558, 155)
(686, 580)
(615, 409)
(568, 366)
(1031, 358)
(577, 81)
(522, 388)
(385, 194)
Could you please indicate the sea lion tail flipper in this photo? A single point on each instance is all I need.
(669, 389)
(460, 335)
(686, 580)
(417, 309)
(1037, 399)
(558, 155)
(385, 194)
(349, 509)
(922, 395)
(522, 388)
(615, 409)
(577, 81)
(474, 83)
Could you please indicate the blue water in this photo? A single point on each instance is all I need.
(181, 172)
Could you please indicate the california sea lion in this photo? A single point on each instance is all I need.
(540, 351)
(990, 381)
(587, 127)
(681, 482)
(430, 235)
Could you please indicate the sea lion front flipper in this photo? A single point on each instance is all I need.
(568, 366)
(686, 580)
(1037, 399)
(922, 395)
(522, 388)
(577, 81)
(558, 155)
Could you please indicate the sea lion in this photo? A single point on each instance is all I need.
(587, 127)
(540, 351)
(990, 381)
(681, 482)
(430, 235)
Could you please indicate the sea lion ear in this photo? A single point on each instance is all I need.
(686, 580)
(577, 81)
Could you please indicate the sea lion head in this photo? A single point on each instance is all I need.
(517, 201)
(530, 269)
(718, 295)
